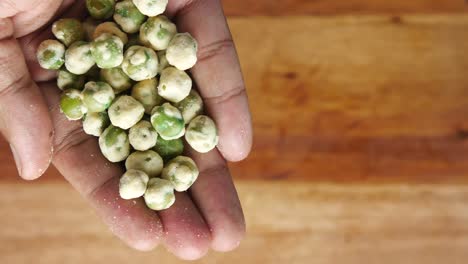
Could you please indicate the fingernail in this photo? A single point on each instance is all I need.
(17, 159)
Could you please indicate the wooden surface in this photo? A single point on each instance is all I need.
(360, 112)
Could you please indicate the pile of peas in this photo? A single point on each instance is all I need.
(122, 72)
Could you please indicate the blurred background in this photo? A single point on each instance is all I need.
(360, 109)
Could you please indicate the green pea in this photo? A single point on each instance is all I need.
(133, 184)
(68, 30)
(95, 123)
(107, 51)
(128, 16)
(116, 78)
(114, 144)
(163, 64)
(182, 172)
(78, 58)
(147, 94)
(142, 136)
(125, 112)
(168, 121)
(151, 8)
(140, 63)
(202, 134)
(159, 194)
(100, 9)
(169, 149)
(50, 54)
(97, 96)
(110, 28)
(67, 80)
(191, 106)
(147, 161)
(71, 104)
(158, 32)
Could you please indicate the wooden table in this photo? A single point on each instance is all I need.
(360, 111)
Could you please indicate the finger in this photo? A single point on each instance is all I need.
(217, 200)
(217, 73)
(24, 118)
(80, 161)
(31, 42)
(186, 233)
(28, 15)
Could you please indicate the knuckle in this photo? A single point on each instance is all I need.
(215, 49)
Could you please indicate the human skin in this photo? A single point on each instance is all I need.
(211, 216)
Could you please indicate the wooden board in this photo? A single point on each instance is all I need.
(353, 98)
(330, 7)
(287, 223)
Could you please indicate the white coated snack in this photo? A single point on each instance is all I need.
(159, 194)
(182, 172)
(174, 84)
(114, 144)
(182, 51)
(191, 106)
(157, 32)
(142, 136)
(97, 96)
(140, 63)
(202, 134)
(146, 93)
(95, 123)
(50, 54)
(163, 64)
(151, 7)
(125, 112)
(78, 58)
(147, 161)
(133, 184)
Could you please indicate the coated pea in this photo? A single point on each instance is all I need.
(71, 104)
(97, 96)
(110, 28)
(168, 121)
(191, 106)
(114, 144)
(67, 80)
(182, 51)
(147, 94)
(174, 84)
(125, 112)
(116, 78)
(140, 63)
(50, 54)
(169, 149)
(133, 184)
(151, 7)
(100, 9)
(68, 30)
(142, 136)
(128, 16)
(147, 161)
(107, 51)
(158, 32)
(159, 194)
(182, 172)
(78, 58)
(95, 123)
(202, 134)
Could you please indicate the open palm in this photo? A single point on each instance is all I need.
(209, 215)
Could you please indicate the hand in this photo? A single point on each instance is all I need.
(210, 214)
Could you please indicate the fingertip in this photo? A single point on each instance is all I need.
(190, 252)
(228, 238)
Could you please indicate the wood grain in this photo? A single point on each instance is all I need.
(287, 223)
(356, 98)
(330, 7)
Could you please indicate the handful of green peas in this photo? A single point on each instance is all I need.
(122, 72)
